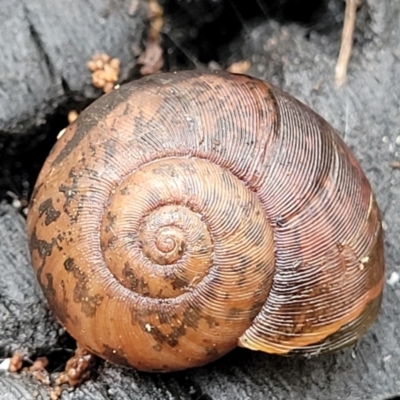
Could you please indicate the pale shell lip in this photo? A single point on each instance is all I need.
(61, 133)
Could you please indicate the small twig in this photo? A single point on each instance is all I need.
(395, 164)
(152, 59)
(347, 40)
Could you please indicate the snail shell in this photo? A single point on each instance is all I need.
(185, 214)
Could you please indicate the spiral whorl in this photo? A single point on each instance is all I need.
(165, 229)
(168, 252)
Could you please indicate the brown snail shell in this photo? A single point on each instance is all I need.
(186, 213)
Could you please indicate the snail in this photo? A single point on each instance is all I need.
(185, 214)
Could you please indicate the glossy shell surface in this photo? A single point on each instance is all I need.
(185, 214)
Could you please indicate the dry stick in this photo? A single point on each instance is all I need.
(347, 40)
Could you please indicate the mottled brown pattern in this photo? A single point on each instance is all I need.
(43, 248)
(89, 119)
(50, 212)
(138, 285)
(49, 288)
(184, 214)
(179, 282)
(81, 294)
(69, 189)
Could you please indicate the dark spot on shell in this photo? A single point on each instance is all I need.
(136, 284)
(68, 191)
(191, 317)
(116, 356)
(92, 149)
(261, 266)
(219, 88)
(59, 307)
(165, 317)
(255, 309)
(125, 191)
(251, 84)
(48, 287)
(172, 338)
(167, 332)
(234, 312)
(44, 248)
(340, 247)
(111, 218)
(242, 281)
(49, 211)
(212, 352)
(73, 175)
(179, 282)
(127, 110)
(211, 321)
(89, 302)
(157, 347)
(69, 264)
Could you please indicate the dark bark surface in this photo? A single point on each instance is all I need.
(366, 112)
(45, 45)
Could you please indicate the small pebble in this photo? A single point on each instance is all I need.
(5, 364)
(393, 279)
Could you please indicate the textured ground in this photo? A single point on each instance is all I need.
(367, 113)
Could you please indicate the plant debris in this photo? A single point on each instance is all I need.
(152, 59)
(105, 71)
(239, 67)
(347, 40)
(72, 116)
